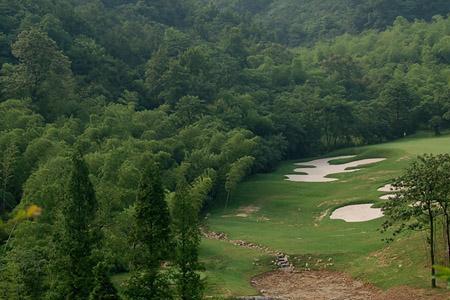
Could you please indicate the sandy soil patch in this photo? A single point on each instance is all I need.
(329, 285)
(357, 213)
(317, 170)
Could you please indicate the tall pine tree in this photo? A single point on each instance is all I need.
(151, 239)
(188, 237)
(77, 236)
(103, 287)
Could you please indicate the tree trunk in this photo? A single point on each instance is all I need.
(228, 199)
(431, 242)
(447, 234)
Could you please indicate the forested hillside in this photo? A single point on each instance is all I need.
(212, 91)
(294, 22)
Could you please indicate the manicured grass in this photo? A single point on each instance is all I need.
(294, 218)
(229, 268)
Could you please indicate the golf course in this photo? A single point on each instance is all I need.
(293, 218)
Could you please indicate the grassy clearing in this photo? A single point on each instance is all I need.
(294, 218)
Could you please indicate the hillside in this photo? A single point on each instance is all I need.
(294, 22)
(124, 123)
(295, 218)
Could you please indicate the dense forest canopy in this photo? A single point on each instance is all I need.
(210, 89)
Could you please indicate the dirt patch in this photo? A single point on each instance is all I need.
(330, 285)
(242, 215)
(245, 211)
(319, 218)
(248, 209)
(318, 285)
(409, 293)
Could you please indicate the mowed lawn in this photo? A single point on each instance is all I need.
(294, 217)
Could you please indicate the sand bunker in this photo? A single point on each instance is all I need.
(388, 188)
(388, 197)
(357, 213)
(317, 170)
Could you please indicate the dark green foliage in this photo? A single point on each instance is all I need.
(103, 288)
(78, 233)
(422, 197)
(187, 236)
(300, 22)
(152, 231)
(43, 73)
(151, 239)
(210, 89)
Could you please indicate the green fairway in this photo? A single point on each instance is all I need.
(230, 268)
(294, 217)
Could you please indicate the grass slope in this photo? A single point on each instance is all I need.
(294, 218)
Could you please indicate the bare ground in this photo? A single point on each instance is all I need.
(329, 285)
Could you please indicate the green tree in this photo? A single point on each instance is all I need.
(442, 168)
(416, 206)
(103, 287)
(399, 102)
(238, 170)
(187, 203)
(436, 124)
(151, 239)
(7, 173)
(78, 234)
(187, 237)
(189, 109)
(43, 73)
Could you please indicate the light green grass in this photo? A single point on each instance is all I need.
(229, 268)
(293, 210)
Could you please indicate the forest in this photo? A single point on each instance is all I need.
(124, 121)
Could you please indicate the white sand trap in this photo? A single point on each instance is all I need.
(317, 170)
(357, 213)
(388, 188)
(388, 197)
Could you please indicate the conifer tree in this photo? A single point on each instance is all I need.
(77, 235)
(188, 237)
(151, 239)
(103, 287)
